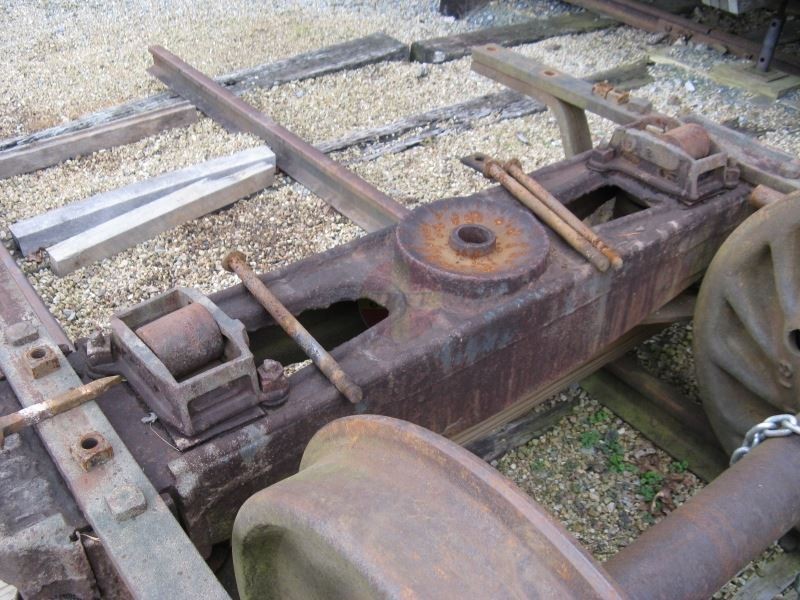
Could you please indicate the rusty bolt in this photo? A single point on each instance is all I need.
(91, 450)
(42, 360)
(273, 382)
(98, 349)
(126, 502)
(22, 333)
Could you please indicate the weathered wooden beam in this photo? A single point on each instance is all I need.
(706, 460)
(443, 49)
(67, 221)
(136, 120)
(355, 198)
(185, 204)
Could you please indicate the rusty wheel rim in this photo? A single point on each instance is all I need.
(747, 324)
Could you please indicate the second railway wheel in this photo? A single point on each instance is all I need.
(747, 324)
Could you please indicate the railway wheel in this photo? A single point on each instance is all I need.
(747, 323)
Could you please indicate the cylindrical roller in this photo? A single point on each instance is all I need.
(691, 138)
(184, 340)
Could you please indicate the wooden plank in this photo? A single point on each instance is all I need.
(770, 581)
(705, 460)
(443, 49)
(133, 121)
(129, 229)
(352, 196)
(47, 229)
(773, 84)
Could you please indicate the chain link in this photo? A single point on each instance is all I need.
(775, 426)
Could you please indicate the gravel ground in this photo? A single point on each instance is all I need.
(64, 59)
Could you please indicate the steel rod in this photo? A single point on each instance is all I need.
(771, 38)
(534, 187)
(494, 170)
(236, 262)
(36, 413)
(705, 542)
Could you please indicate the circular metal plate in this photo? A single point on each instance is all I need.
(382, 508)
(747, 324)
(473, 247)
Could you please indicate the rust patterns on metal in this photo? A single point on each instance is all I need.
(565, 230)
(352, 196)
(472, 248)
(36, 413)
(747, 323)
(691, 138)
(442, 524)
(236, 262)
(514, 168)
(184, 340)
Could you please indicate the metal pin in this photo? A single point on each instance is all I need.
(534, 187)
(236, 262)
(580, 244)
(41, 411)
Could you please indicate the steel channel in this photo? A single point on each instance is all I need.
(355, 198)
(148, 549)
(54, 330)
(705, 542)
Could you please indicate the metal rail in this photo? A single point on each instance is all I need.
(355, 198)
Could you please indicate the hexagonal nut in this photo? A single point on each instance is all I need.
(126, 502)
(98, 349)
(22, 333)
(273, 382)
(91, 450)
(42, 360)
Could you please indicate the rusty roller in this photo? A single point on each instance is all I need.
(184, 340)
(691, 138)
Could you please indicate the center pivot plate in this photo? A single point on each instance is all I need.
(472, 247)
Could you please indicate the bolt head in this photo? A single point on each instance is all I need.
(126, 502)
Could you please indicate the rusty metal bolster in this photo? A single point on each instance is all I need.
(355, 198)
(700, 546)
(44, 316)
(143, 539)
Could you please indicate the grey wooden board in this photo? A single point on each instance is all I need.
(47, 229)
(774, 578)
(185, 204)
(443, 49)
(135, 120)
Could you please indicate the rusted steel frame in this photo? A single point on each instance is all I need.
(236, 262)
(650, 18)
(578, 242)
(352, 196)
(427, 361)
(758, 164)
(44, 316)
(514, 168)
(36, 413)
(705, 542)
(117, 499)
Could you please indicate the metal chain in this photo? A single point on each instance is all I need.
(775, 426)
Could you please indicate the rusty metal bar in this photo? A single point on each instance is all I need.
(44, 316)
(578, 243)
(534, 187)
(705, 542)
(355, 198)
(651, 18)
(36, 413)
(236, 262)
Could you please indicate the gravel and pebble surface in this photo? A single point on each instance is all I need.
(64, 59)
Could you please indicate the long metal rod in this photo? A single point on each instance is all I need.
(236, 262)
(771, 38)
(700, 546)
(534, 187)
(580, 244)
(352, 196)
(36, 413)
